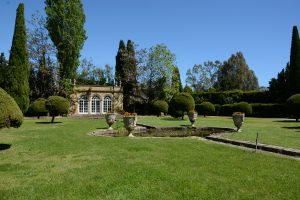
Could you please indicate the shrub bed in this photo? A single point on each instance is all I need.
(205, 108)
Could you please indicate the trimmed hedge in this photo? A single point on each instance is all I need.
(160, 106)
(293, 106)
(57, 105)
(226, 110)
(205, 108)
(10, 113)
(235, 96)
(180, 103)
(268, 110)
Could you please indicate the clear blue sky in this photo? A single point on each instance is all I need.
(194, 30)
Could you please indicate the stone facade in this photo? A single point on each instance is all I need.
(96, 100)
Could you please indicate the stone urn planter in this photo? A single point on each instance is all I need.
(238, 120)
(110, 119)
(192, 117)
(130, 120)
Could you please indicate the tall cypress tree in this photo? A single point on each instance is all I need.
(176, 81)
(65, 23)
(120, 63)
(17, 76)
(129, 79)
(3, 69)
(293, 70)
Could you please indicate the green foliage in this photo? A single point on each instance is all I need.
(188, 89)
(293, 71)
(235, 74)
(205, 108)
(57, 105)
(65, 23)
(39, 107)
(217, 109)
(203, 77)
(120, 63)
(226, 110)
(278, 86)
(234, 96)
(16, 82)
(155, 69)
(180, 103)
(3, 69)
(293, 106)
(268, 110)
(160, 106)
(10, 113)
(242, 107)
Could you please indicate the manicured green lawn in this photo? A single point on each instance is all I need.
(281, 132)
(60, 161)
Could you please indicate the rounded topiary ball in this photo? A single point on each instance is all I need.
(180, 103)
(205, 108)
(243, 107)
(10, 113)
(57, 105)
(160, 106)
(39, 107)
(293, 106)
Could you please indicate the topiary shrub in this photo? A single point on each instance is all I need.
(242, 107)
(160, 106)
(10, 113)
(293, 106)
(205, 108)
(57, 105)
(180, 103)
(39, 107)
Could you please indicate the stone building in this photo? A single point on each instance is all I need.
(96, 100)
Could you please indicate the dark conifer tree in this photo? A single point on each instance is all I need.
(17, 75)
(176, 81)
(293, 71)
(3, 70)
(120, 63)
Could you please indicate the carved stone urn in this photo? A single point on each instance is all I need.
(238, 120)
(192, 117)
(110, 119)
(130, 123)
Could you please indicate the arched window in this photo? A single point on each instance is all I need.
(95, 104)
(107, 104)
(83, 104)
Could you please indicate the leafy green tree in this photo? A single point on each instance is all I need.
(65, 23)
(89, 74)
(293, 71)
(108, 74)
(176, 81)
(235, 74)
(188, 89)
(293, 106)
(43, 65)
(278, 86)
(203, 77)
(156, 71)
(16, 82)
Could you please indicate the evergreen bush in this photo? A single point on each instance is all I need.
(57, 105)
(39, 107)
(293, 106)
(160, 106)
(226, 110)
(180, 103)
(243, 107)
(10, 113)
(205, 108)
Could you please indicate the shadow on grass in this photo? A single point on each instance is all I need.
(172, 119)
(48, 122)
(287, 120)
(4, 146)
(293, 127)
